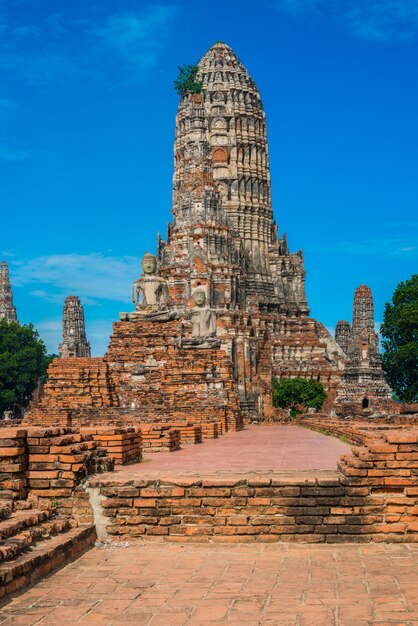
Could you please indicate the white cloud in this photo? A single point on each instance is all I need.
(56, 298)
(6, 103)
(98, 334)
(388, 247)
(14, 155)
(297, 8)
(50, 331)
(137, 37)
(89, 276)
(396, 223)
(108, 49)
(372, 20)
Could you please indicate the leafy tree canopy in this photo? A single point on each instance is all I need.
(187, 81)
(23, 360)
(298, 392)
(399, 333)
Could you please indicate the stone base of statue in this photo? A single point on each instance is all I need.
(199, 343)
(158, 315)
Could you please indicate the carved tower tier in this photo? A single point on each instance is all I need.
(225, 128)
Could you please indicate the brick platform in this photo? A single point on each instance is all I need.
(233, 490)
(218, 585)
(255, 448)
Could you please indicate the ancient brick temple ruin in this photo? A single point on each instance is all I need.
(74, 341)
(7, 308)
(217, 311)
(222, 306)
(362, 382)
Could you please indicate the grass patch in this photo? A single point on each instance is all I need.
(328, 433)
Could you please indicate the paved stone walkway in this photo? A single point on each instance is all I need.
(171, 585)
(255, 448)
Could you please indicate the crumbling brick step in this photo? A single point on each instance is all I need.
(18, 540)
(21, 520)
(44, 558)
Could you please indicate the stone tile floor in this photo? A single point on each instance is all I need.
(277, 447)
(164, 584)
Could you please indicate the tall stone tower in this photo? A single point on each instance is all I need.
(223, 238)
(7, 309)
(363, 386)
(74, 341)
(225, 128)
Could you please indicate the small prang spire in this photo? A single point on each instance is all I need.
(344, 336)
(363, 310)
(7, 309)
(74, 341)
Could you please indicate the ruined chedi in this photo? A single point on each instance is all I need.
(221, 149)
(223, 238)
(363, 386)
(221, 307)
(7, 308)
(74, 341)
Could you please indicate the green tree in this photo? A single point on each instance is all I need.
(23, 360)
(296, 393)
(399, 333)
(187, 81)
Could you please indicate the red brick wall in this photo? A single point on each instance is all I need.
(13, 464)
(59, 459)
(124, 445)
(143, 377)
(160, 438)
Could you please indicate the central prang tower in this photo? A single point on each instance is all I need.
(221, 144)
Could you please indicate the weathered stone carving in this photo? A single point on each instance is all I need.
(203, 325)
(150, 295)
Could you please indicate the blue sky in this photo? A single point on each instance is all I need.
(87, 112)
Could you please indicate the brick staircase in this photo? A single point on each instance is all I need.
(40, 467)
(34, 543)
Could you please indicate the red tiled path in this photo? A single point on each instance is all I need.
(212, 585)
(253, 449)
